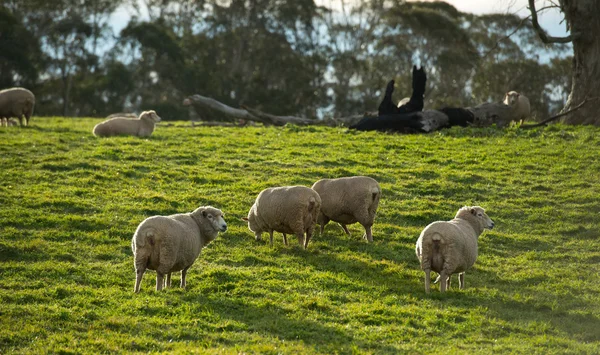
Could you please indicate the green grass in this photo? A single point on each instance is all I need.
(70, 202)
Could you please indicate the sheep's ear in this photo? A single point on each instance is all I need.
(473, 211)
(245, 219)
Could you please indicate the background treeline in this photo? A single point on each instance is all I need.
(282, 57)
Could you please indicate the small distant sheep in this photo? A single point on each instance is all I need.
(348, 200)
(172, 243)
(520, 105)
(16, 102)
(288, 210)
(143, 126)
(451, 247)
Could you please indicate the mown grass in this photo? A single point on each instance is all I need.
(70, 202)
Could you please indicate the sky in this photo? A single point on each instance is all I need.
(549, 20)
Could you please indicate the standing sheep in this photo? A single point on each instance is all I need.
(348, 200)
(16, 102)
(451, 247)
(288, 210)
(143, 126)
(172, 243)
(519, 104)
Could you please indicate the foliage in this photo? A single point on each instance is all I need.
(282, 57)
(70, 202)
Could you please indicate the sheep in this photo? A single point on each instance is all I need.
(172, 243)
(519, 103)
(348, 200)
(143, 126)
(451, 247)
(288, 210)
(16, 102)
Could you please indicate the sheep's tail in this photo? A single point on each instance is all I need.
(311, 203)
(375, 196)
(146, 236)
(431, 251)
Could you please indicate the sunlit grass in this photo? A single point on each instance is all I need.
(70, 202)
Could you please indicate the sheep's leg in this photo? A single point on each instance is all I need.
(368, 234)
(27, 117)
(183, 274)
(309, 233)
(169, 280)
(300, 237)
(285, 239)
(443, 281)
(448, 283)
(324, 222)
(21, 120)
(427, 280)
(258, 237)
(345, 228)
(139, 273)
(160, 281)
(461, 281)
(271, 237)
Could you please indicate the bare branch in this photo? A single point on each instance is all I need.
(542, 34)
(546, 121)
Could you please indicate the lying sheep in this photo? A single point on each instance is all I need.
(143, 126)
(451, 247)
(348, 200)
(520, 105)
(16, 102)
(288, 210)
(172, 243)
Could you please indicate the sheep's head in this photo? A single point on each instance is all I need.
(150, 116)
(476, 216)
(214, 217)
(511, 98)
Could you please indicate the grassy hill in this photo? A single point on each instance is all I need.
(70, 202)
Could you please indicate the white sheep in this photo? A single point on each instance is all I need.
(451, 247)
(288, 210)
(143, 126)
(16, 102)
(172, 243)
(520, 105)
(348, 200)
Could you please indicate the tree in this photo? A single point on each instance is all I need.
(581, 18)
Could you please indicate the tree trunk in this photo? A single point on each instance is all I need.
(583, 18)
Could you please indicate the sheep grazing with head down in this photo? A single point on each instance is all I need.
(143, 126)
(172, 243)
(519, 104)
(349, 200)
(288, 210)
(18, 103)
(451, 247)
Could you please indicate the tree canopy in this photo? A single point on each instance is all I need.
(284, 57)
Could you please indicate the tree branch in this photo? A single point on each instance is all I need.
(546, 121)
(542, 34)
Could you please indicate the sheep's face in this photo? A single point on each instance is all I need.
(484, 221)
(511, 98)
(150, 116)
(215, 218)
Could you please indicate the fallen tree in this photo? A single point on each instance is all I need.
(423, 121)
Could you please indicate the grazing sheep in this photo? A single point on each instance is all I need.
(16, 102)
(288, 210)
(348, 200)
(519, 103)
(451, 247)
(143, 126)
(172, 243)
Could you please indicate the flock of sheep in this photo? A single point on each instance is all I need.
(169, 244)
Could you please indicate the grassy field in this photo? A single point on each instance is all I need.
(70, 202)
